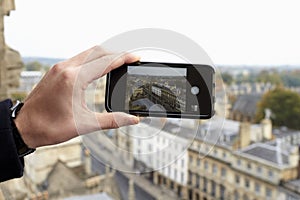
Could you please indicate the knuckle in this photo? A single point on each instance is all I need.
(67, 74)
(57, 68)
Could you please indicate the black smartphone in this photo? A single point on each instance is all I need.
(174, 90)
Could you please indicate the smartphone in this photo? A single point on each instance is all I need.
(175, 90)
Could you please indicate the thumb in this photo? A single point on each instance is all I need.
(115, 120)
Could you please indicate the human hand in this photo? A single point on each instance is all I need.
(55, 111)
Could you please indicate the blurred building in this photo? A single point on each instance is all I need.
(244, 108)
(28, 80)
(239, 168)
(10, 60)
(238, 161)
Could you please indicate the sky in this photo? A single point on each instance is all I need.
(232, 32)
(159, 71)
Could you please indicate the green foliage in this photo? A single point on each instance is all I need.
(227, 78)
(249, 78)
(269, 76)
(291, 78)
(36, 66)
(33, 66)
(285, 107)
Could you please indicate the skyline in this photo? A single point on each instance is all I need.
(231, 32)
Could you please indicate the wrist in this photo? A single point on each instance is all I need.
(19, 129)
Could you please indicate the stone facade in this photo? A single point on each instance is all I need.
(10, 60)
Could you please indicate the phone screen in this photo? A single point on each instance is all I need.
(161, 89)
(156, 89)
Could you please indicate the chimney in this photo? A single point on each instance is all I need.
(266, 124)
(244, 134)
(294, 156)
(87, 162)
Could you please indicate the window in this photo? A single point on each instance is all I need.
(236, 195)
(204, 184)
(257, 188)
(247, 183)
(175, 174)
(182, 177)
(268, 192)
(190, 177)
(215, 169)
(238, 162)
(270, 173)
(197, 181)
(215, 152)
(249, 166)
(223, 172)
(224, 154)
(182, 163)
(259, 169)
(237, 179)
(213, 188)
(191, 159)
(198, 162)
(205, 165)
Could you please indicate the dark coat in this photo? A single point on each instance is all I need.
(11, 166)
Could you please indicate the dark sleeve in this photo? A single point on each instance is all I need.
(11, 166)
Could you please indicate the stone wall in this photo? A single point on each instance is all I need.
(10, 60)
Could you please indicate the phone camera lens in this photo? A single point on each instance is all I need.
(195, 90)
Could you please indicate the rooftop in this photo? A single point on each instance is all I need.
(293, 187)
(246, 104)
(267, 152)
(284, 132)
(215, 130)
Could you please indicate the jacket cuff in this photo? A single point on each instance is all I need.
(11, 165)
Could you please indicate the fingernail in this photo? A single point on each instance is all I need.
(134, 119)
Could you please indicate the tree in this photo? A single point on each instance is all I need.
(291, 78)
(33, 66)
(284, 105)
(269, 76)
(227, 78)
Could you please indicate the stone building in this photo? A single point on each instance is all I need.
(10, 60)
(250, 171)
(244, 108)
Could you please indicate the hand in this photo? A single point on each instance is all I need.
(55, 111)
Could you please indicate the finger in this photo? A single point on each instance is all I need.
(86, 56)
(115, 120)
(97, 68)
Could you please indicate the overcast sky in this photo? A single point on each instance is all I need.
(231, 31)
(157, 71)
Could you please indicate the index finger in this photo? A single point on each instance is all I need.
(99, 67)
